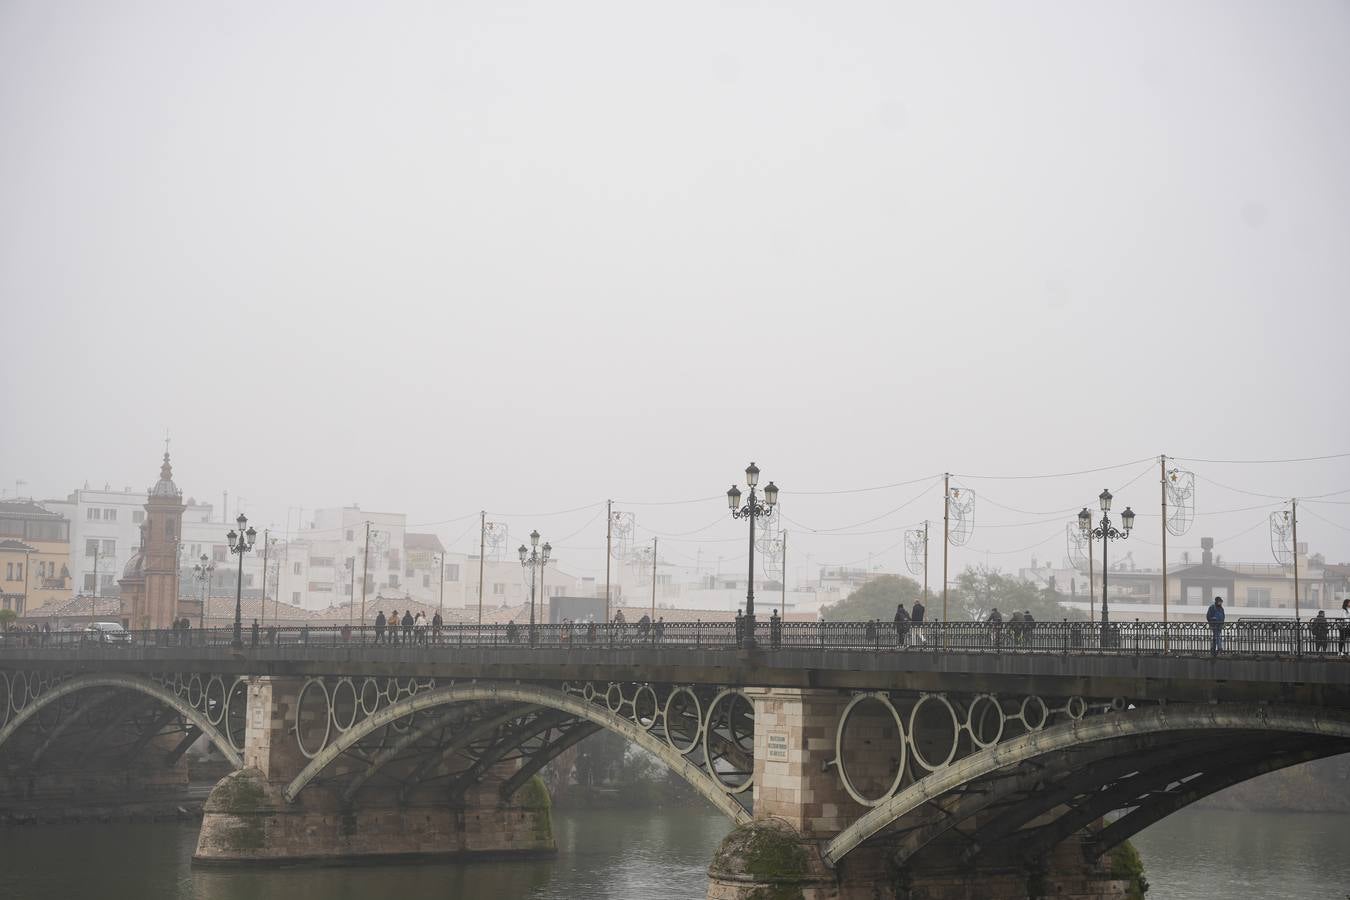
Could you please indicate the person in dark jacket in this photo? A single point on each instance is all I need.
(995, 627)
(1214, 616)
(254, 632)
(901, 626)
(407, 626)
(436, 624)
(916, 616)
(380, 621)
(1319, 627)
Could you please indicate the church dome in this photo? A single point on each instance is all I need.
(135, 566)
(165, 486)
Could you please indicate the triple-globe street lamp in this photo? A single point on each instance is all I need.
(752, 510)
(240, 542)
(1107, 532)
(534, 558)
(202, 570)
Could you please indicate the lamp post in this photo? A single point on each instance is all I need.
(240, 542)
(752, 510)
(534, 558)
(1107, 532)
(202, 570)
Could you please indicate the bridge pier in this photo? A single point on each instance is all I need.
(249, 819)
(800, 803)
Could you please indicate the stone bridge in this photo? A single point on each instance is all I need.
(973, 764)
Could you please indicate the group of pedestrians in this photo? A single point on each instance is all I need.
(909, 624)
(1320, 627)
(406, 629)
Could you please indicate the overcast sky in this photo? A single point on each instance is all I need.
(435, 258)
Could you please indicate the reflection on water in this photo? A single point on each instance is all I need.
(629, 855)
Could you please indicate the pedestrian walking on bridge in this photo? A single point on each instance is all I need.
(407, 626)
(379, 626)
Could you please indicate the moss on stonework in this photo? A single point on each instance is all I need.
(241, 796)
(766, 852)
(533, 794)
(240, 793)
(776, 892)
(1127, 866)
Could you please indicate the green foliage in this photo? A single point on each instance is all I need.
(600, 758)
(977, 590)
(876, 599)
(980, 589)
(1127, 866)
(7, 616)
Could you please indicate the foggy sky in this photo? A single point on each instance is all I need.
(436, 258)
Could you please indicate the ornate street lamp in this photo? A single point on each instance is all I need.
(1107, 532)
(202, 570)
(240, 542)
(752, 510)
(534, 558)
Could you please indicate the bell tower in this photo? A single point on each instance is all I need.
(150, 585)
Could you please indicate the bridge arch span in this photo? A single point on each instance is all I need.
(168, 699)
(1126, 744)
(521, 697)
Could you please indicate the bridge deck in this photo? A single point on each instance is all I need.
(1268, 664)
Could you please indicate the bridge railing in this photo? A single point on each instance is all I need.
(1238, 638)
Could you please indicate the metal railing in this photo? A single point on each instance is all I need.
(1242, 638)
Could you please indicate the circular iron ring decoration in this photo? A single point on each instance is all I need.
(731, 733)
(300, 711)
(698, 724)
(914, 732)
(884, 700)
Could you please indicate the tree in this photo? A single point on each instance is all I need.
(876, 599)
(7, 616)
(980, 589)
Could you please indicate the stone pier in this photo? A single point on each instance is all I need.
(248, 820)
(800, 803)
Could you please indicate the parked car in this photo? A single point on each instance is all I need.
(107, 633)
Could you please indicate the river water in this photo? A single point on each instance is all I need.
(630, 855)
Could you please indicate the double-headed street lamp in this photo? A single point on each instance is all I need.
(202, 570)
(1107, 532)
(752, 510)
(241, 542)
(534, 558)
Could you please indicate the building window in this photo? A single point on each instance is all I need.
(498, 588)
(91, 514)
(1195, 595)
(452, 572)
(110, 515)
(196, 551)
(393, 580)
(248, 581)
(91, 548)
(106, 581)
(9, 571)
(219, 552)
(109, 548)
(321, 587)
(295, 598)
(326, 562)
(347, 589)
(89, 581)
(295, 568)
(1258, 597)
(426, 581)
(349, 534)
(138, 516)
(393, 558)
